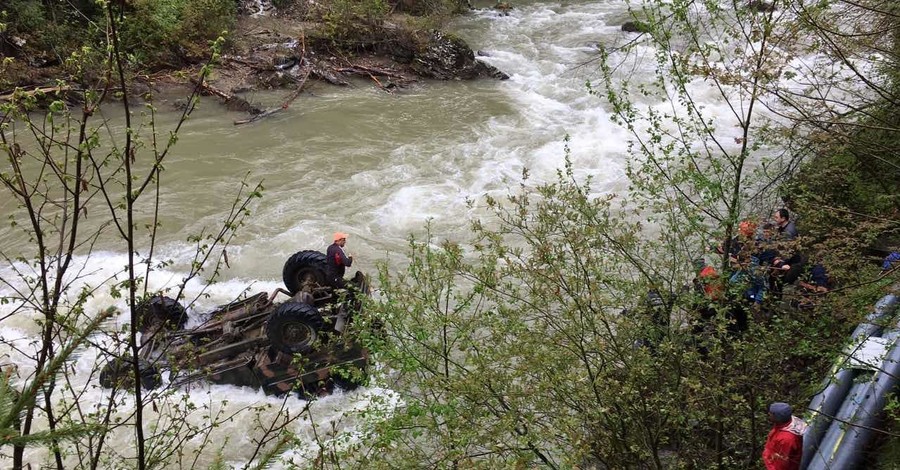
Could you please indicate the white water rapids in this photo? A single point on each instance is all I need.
(376, 166)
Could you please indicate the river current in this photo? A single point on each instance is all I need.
(377, 166)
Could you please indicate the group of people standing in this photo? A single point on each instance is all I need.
(762, 260)
(768, 258)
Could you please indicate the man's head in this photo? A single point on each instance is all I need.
(340, 238)
(782, 217)
(767, 231)
(780, 413)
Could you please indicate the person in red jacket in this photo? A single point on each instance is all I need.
(784, 446)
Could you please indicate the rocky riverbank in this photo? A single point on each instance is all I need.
(290, 48)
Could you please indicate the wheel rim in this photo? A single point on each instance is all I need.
(307, 279)
(297, 334)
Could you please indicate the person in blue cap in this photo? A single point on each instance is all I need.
(890, 261)
(784, 446)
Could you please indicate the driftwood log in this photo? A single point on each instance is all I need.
(374, 73)
(287, 102)
(35, 90)
(232, 102)
(369, 71)
(320, 70)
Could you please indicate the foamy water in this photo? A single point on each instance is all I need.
(374, 165)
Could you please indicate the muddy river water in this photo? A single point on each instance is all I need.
(379, 165)
(375, 165)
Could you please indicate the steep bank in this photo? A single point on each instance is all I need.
(266, 48)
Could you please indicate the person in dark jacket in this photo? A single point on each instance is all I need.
(337, 261)
(813, 285)
(784, 446)
(786, 228)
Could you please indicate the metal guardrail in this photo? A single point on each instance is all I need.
(846, 411)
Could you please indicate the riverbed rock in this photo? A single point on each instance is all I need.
(635, 27)
(447, 57)
(503, 7)
(255, 7)
(284, 62)
(139, 88)
(760, 6)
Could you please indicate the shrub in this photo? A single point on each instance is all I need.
(433, 7)
(203, 21)
(170, 32)
(27, 16)
(353, 23)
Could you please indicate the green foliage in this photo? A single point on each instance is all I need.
(27, 16)
(52, 31)
(890, 455)
(850, 183)
(513, 349)
(850, 191)
(360, 24)
(351, 22)
(204, 21)
(110, 173)
(168, 32)
(439, 8)
(156, 33)
(14, 403)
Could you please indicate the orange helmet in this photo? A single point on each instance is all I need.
(747, 228)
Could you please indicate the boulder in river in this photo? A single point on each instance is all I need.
(760, 6)
(503, 7)
(447, 57)
(635, 27)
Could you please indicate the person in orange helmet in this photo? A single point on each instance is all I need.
(337, 261)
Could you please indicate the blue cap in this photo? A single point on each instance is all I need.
(781, 412)
(889, 260)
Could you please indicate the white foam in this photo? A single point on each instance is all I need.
(421, 177)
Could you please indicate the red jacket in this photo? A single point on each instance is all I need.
(709, 279)
(784, 446)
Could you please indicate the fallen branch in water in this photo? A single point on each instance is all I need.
(373, 73)
(389, 90)
(328, 76)
(34, 91)
(251, 64)
(287, 102)
(232, 102)
(361, 70)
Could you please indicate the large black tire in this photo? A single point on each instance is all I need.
(304, 269)
(160, 313)
(294, 327)
(118, 373)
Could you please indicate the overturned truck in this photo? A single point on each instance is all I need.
(298, 344)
